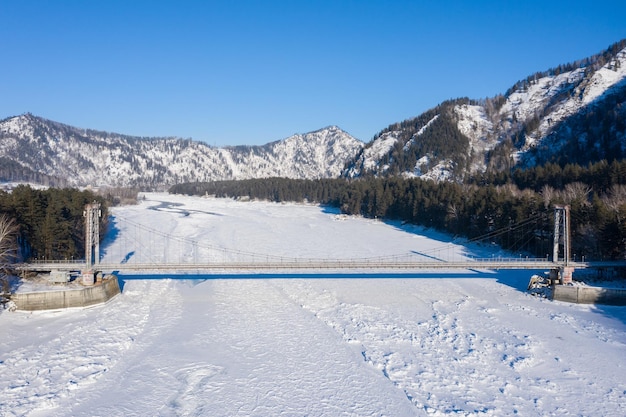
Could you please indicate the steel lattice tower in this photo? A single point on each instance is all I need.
(92, 215)
(561, 233)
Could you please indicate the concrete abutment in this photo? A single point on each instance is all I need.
(81, 297)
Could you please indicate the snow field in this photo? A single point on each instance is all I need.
(54, 354)
(463, 343)
(465, 355)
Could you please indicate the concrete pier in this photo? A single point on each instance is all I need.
(54, 300)
(589, 295)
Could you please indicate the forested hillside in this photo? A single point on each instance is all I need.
(512, 210)
(574, 113)
(12, 171)
(419, 143)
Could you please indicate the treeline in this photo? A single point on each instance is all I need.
(51, 223)
(600, 176)
(119, 196)
(491, 209)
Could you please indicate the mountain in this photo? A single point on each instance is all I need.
(575, 113)
(87, 157)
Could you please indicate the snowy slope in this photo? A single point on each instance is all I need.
(527, 115)
(462, 343)
(560, 96)
(87, 157)
(369, 159)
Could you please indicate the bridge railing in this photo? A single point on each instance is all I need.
(56, 261)
(508, 259)
(491, 263)
(411, 259)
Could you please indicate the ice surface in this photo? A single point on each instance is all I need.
(461, 343)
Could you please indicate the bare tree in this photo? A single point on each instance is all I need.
(549, 195)
(577, 191)
(8, 229)
(615, 199)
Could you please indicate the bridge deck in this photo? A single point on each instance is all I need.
(308, 265)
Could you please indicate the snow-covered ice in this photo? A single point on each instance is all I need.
(460, 343)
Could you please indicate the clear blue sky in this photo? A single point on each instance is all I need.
(251, 72)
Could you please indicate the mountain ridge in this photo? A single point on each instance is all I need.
(89, 157)
(574, 113)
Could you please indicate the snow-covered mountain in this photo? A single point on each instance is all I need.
(574, 113)
(87, 157)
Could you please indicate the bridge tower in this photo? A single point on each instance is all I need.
(92, 214)
(562, 240)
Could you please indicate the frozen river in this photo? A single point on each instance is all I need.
(466, 343)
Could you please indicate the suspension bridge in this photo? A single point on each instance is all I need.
(144, 250)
